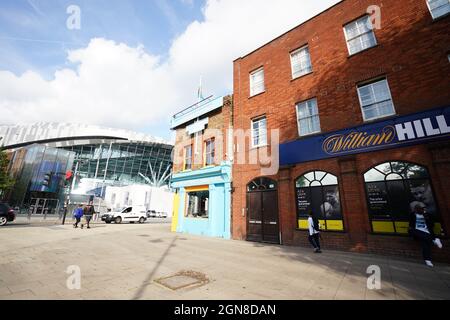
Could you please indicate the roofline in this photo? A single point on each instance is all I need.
(290, 30)
(117, 139)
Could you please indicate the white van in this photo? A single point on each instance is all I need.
(127, 214)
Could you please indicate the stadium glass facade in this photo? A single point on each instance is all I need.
(102, 157)
(125, 164)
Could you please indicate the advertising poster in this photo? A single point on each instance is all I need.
(396, 200)
(324, 202)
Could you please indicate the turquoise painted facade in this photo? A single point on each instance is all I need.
(218, 179)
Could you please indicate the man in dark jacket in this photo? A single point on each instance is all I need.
(88, 213)
(421, 228)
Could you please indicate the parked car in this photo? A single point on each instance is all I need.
(151, 214)
(161, 215)
(128, 214)
(6, 214)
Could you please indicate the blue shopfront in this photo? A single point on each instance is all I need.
(203, 201)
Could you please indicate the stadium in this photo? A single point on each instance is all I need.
(58, 163)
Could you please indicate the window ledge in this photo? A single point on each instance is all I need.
(364, 50)
(441, 17)
(260, 147)
(325, 231)
(258, 94)
(309, 135)
(381, 118)
(302, 76)
(386, 234)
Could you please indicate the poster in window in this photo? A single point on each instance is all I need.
(303, 202)
(377, 200)
(421, 193)
(317, 202)
(330, 208)
(398, 200)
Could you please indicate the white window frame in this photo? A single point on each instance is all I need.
(211, 153)
(191, 158)
(294, 76)
(431, 11)
(361, 104)
(347, 40)
(252, 91)
(316, 115)
(260, 144)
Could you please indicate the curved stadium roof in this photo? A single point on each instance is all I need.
(68, 134)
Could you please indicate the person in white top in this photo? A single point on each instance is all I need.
(421, 227)
(314, 233)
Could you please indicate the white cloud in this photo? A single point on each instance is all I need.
(117, 85)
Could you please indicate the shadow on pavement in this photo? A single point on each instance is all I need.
(147, 280)
(406, 275)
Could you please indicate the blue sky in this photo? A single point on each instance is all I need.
(134, 63)
(33, 33)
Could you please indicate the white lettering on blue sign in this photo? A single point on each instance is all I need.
(422, 128)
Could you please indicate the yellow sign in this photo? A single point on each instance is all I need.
(328, 225)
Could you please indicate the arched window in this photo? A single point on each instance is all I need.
(393, 189)
(318, 192)
(261, 184)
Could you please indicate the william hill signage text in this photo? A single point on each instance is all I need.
(395, 132)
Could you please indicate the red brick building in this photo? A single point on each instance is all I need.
(361, 101)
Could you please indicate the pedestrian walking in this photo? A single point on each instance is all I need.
(421, 228)
(314, 233)
(77, 214)
(88, 214)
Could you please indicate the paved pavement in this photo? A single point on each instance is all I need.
(122, 262)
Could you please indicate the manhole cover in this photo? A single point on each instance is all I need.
(183, 279)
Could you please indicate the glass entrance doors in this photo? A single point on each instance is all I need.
(40, 206)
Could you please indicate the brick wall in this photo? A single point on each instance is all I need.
(411, 53)
(219, 121)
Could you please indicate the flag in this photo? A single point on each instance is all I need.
(200, 89)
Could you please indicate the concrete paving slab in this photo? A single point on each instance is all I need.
(121, 262)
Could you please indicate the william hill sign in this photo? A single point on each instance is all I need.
(396, 132)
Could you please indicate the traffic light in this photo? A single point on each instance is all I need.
(68, 179)
(47, 180)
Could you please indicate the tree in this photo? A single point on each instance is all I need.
(6, 182)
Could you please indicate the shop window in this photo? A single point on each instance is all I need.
(318, 192)
(393, 189)
(197, 202)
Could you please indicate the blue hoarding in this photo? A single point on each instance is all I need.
(395, 132)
